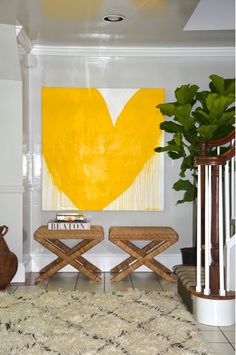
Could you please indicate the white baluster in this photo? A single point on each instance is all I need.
(210, 202)
(232, 187)
(227, 202)
(221, 241)
(227, 224)
(199, 281)
(207, 227)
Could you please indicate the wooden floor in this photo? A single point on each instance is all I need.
(221, 339)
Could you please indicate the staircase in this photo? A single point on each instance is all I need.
(214, 296)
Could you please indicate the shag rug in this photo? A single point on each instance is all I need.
(87, 323)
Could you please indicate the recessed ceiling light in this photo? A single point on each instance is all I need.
(114, 18)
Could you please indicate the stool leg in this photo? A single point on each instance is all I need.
(143, 260)
(124, 264)
(58, 260)
(68, 258)
(80, 258)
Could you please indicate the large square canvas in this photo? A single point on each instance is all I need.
(98, 149)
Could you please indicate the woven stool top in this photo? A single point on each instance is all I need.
(143, 233)
(95, 232)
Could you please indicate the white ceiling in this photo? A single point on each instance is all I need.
(149, 23)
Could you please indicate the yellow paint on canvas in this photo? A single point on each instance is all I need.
(90, 160)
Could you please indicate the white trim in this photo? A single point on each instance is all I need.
(20, 274)
(133, 51)
(104, 261)
(27, 262)
(23, 39)
(23, 267)
(11, 189)
(214, 312)
(18, 28)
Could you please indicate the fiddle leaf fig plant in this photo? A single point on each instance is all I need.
(196, 116)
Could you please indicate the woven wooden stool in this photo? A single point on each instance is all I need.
(50, 239)
(160, 239)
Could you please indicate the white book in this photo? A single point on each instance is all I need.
(68, 226)
(71, 218)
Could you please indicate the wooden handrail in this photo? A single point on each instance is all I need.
(217, 159)
(222, 141)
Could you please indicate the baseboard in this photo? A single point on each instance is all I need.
(23, 267)
(20, 274)
(105, 262)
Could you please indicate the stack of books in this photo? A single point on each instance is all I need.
(69, 221)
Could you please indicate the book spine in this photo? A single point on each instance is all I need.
(70, 219)
(68, 226)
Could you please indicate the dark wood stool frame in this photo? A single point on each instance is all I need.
(50, 239)
(160, 239)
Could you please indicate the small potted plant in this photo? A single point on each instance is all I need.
(196, 116)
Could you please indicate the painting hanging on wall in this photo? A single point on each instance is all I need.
(98, 149)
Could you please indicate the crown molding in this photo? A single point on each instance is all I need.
(133, 51)
(23, 39)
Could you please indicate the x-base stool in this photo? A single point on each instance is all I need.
(51, 239)
(159, 239)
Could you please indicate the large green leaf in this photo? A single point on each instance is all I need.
(222, 131)
(178, 139)
(185, 94)
(171, 127)
(217, 104)
(207, 132)
(174, 155)
(167, 109)
(222, 86)
(170, 147)
(182, 185)
(201, 97)
(189, 196)
(191, 135)
(227, 117)
(230, 86)
(183, 116)
(193, 91)
(187, 163)
(201, 116)
(217, 84)
(190, 190)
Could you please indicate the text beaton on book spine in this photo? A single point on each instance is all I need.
(68, 226)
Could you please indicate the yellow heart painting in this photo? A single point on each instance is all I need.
(98, 149)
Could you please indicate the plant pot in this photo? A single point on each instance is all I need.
(188, 256)
(8, 261)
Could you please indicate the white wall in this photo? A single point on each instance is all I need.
(118, 72)
(11, 189)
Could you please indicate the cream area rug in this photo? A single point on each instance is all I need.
(86, 323)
